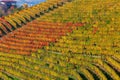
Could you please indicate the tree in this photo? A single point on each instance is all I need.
(2, 12)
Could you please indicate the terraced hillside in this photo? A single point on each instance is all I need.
(33, 36)
(76, 41)
(12, 22)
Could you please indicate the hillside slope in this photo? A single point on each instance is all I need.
(83, 44)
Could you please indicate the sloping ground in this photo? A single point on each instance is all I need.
(90, 52)
(33, 36)
(18, 19)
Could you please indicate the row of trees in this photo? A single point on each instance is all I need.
(12, 9)
(6, 12)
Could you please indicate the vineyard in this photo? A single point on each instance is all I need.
(62, 40)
